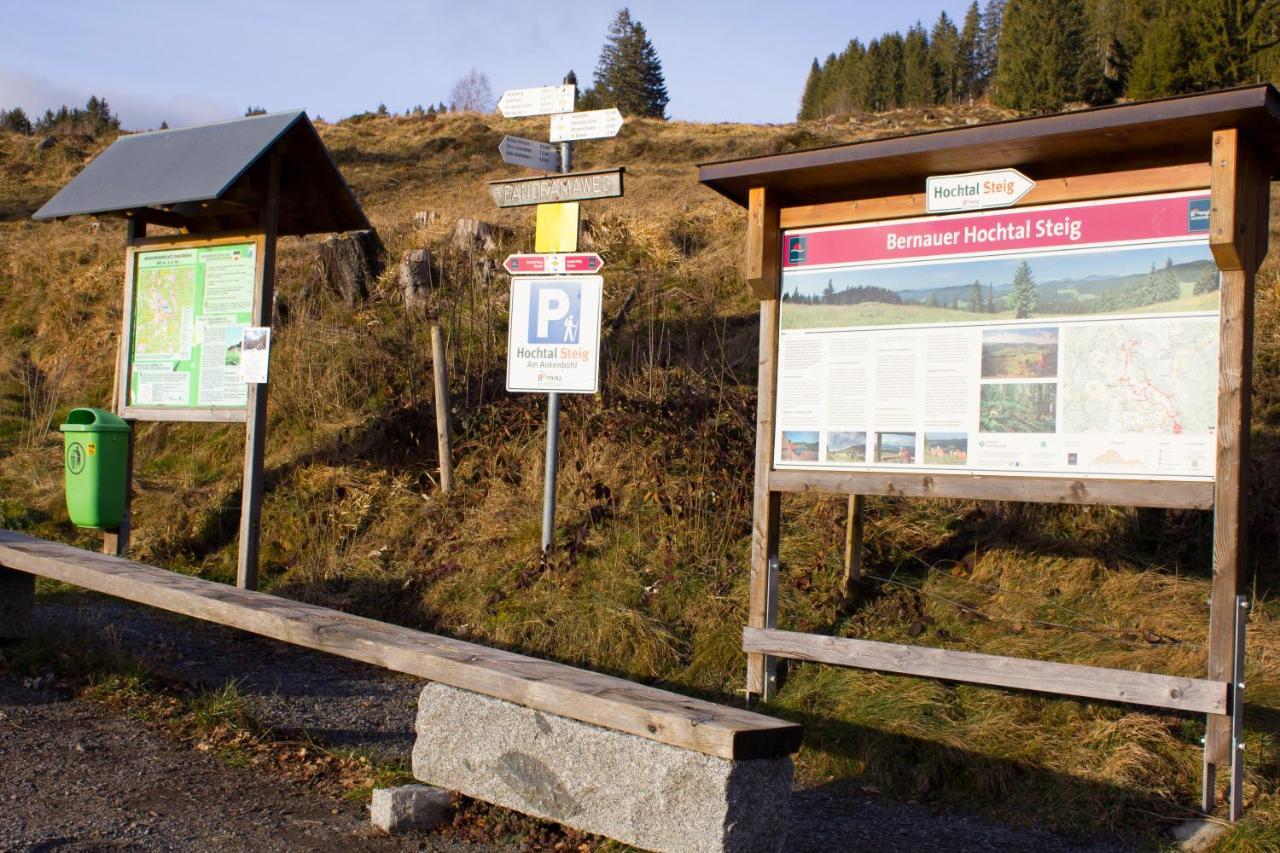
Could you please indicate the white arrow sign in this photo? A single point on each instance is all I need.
(538, 101)
(593, 124)
(519, 151)
(975, 190)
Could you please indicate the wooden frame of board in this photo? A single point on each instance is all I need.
(1227, 143)
(253, 414)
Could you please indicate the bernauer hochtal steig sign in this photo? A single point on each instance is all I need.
(577, 186)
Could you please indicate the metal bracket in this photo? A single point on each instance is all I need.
(1237, 710)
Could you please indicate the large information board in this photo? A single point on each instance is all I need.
(1072, 340)
(189, 309)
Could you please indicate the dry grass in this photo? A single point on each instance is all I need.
(650, 576)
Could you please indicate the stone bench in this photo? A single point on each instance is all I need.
(641, 765)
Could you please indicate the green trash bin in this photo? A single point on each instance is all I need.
(95, 457)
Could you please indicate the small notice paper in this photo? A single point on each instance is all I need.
(255, 353)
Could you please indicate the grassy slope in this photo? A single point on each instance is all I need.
(650, 577)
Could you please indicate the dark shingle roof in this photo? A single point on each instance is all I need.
(211, 177)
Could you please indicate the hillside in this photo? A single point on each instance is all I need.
(649, 578)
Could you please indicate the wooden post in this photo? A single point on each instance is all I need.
(853, 545)
(116, 542)
(440, 370)
(764, 257)
(255, 438)
(1239, 201)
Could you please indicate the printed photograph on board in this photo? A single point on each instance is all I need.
(847, 446)
(800, 446)
(1018, 407)
(896, 448)
(1128, 280)
(946, 448)
(1018, 352)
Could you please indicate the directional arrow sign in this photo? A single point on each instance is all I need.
(975, 190)
(593, 124)
(553, 263)
(578, 186)
(519, 151)
(538, 101)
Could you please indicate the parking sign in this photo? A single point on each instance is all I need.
(553, 339)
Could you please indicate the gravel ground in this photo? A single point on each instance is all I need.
(130, 787)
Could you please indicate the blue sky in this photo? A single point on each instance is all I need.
(998, 271)
(188, 62)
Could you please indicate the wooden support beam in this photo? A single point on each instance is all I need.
(591, 697)
(762, 677)
(1170, 495)
(1088, 682)
(255, 439)
(1190, 176)
(116, 542)
(764, 246)
(1238, 226)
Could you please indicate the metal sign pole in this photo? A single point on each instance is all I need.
(553, 422)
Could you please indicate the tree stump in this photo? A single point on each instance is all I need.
(349, 264)
(416, 279)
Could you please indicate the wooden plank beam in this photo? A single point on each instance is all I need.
(590, 697)
(1089, 682)
(1190, 176)
(1170, 495)
(764, 247)
(1238, 225)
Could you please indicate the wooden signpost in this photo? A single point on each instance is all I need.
(230, 190)
(986, 393)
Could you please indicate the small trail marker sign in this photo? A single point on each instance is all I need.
(553, 340)
(575, 186)
(519, 151)
(538, 101)
(976, 190)
(553, 263)
(593, 124)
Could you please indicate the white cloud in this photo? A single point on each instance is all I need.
(136, 111)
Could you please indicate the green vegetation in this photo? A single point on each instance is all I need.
(629, 73)
(1029, 407)
(649, 578)
(1039, 55)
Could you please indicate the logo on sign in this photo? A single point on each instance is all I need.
(1198, 214)
(75, 457)
(555, 312)
(795, 250)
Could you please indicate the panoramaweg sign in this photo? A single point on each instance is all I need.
(579, 186)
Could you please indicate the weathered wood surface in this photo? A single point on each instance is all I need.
(1171, 495)
(555, 688)
(1238, 223)
(1190, 176)
(764, 247)
(762, 609)
(1090, 682)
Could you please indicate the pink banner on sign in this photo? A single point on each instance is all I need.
(1028, 229)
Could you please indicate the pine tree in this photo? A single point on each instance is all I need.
(1045, 59)
(1234, 38)
(1025, 297)
(809, 100)
(1160, 67)
(885, 68)
(15, 121)
(629, 73)
(944, 56)
(969, 54)
(991, 298)
(975, 296)
(989, 44)
(918, 75)
(855, 82)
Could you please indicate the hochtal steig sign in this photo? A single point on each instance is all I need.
(976, 190)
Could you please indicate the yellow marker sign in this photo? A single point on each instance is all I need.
(557, 227)
(93, 448)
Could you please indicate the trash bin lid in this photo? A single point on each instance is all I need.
(94, 420)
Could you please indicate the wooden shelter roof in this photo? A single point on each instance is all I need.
(213, 177)
(1164, 132)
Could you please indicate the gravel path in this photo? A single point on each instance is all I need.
(76, 777)
(350, 704)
